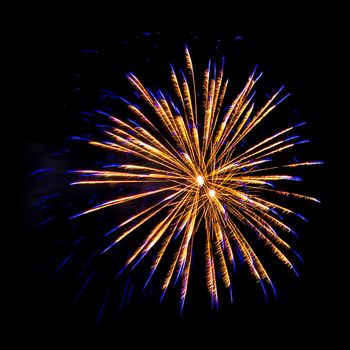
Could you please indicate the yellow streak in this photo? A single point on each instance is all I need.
(127, 199)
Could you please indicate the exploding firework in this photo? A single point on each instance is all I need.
(191, 169)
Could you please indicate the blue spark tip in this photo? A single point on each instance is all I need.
(298, 255)
(78, 138)
(102, 112)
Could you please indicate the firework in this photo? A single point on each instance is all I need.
(188, 154)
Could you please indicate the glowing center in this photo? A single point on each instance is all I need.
(211, 193)
(200, 181)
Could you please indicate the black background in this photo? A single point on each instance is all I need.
(293, 49)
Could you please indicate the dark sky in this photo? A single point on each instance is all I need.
(59, 48)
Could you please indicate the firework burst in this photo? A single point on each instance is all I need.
(194, 171)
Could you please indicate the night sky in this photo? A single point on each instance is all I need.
(69, 65)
